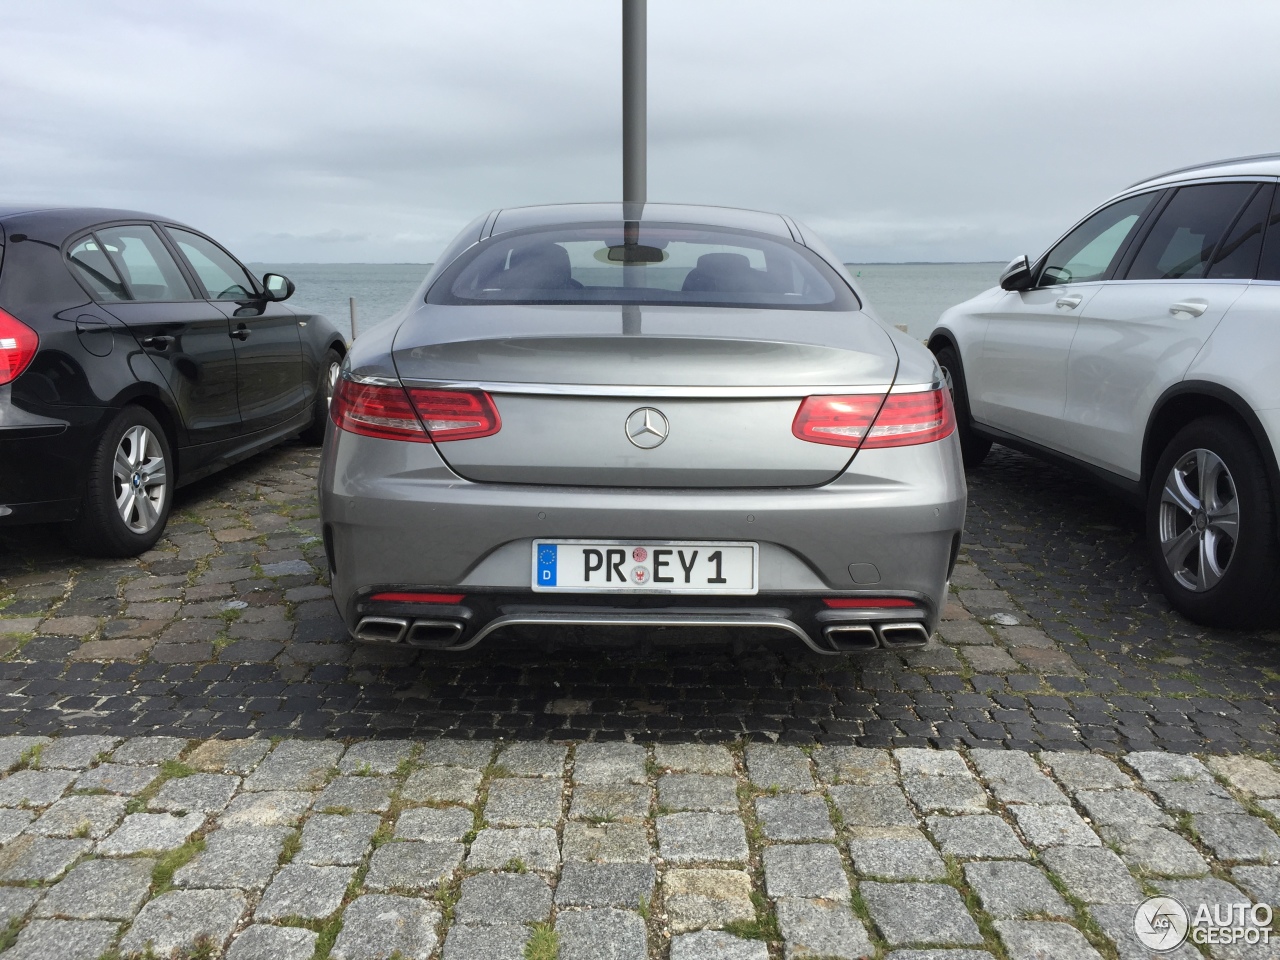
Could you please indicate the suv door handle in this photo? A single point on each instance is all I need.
(1193, 307)
(158, 342)
(241, 332)
(1070, 301)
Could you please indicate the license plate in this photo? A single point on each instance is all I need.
(646, 566)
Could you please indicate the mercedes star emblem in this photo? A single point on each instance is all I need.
(647, 428)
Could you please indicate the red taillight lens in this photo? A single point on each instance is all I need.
(864, 603)
(456, 414)
(18, 344)
(872, 420)
(414, 597)
(373, 410)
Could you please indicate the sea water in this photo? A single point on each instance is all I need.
(910, 293)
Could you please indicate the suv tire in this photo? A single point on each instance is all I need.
(973, 449)
(1211, 526)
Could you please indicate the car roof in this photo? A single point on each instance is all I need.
(520, 218)
(1260, 165)
(52, 222)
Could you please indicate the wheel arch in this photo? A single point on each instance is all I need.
(154, 403)
(1190, 400)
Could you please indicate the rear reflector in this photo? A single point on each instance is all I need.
(18, 344)
(871, 420)
(414, 597)
(867, 603)
(392, 413)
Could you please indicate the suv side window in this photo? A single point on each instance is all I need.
(141, 258)
(1269, 268)
(1090, 250)
(1188, 231)
(223, 278)
(1237, 256)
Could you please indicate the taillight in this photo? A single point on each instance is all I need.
(872, 420)
(456, 414)
(374, 410)
(393, 413)
(18, 344)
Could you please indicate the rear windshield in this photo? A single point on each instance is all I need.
(643, 263)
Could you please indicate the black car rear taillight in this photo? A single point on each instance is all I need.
(18, 344)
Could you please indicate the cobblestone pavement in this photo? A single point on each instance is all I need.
(475, 850)
(1057, 638)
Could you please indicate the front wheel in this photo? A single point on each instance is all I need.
(1211, 526)
(329, 370)
(973, 449)
(129, 488)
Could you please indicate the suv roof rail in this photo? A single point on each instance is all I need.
(1206, 166)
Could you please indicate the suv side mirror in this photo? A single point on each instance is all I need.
(278, 287)
(1017, 275)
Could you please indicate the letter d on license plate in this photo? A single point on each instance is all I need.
(645, 566)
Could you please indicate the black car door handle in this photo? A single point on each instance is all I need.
(241, 332)
(158, 342)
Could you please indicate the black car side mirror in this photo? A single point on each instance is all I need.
(278, 287)
(1017, 275)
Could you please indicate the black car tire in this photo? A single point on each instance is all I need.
(1209, 575)
(329, 368)
(973, 449)
(110, 524)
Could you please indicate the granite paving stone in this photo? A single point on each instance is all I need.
(697, 899)
(1157, 851)
(79, 816)
(523, 802)
(716, 945)
(535, 847)
(702, 837)
(1234, 837)
(1250, 775)
(276, 808)
(234, 859)
(359, 794)
(240, 757)
(1010, 889)
(142, 832)
(301, 890)
(413, 864)
(434, 823)
(1156, 765)
(376, 757)
(1195, 797)
(531, 759)
(264, 942)
(1031, 940)
(771, 765)
(44, 859)
(295, 765)
(119, 778)
(1085, 771)
(861, 765)
(506, 942)
(623, 885)
(794, 817)
(808, 871)
(35, 788)
(16, 902)
(64, 939)
(918, 913)
(100, 890)
(939, 954)
(503, 898)
(467, 754)
(604, 843)
(178, 920)
(625, 801)
(76, 752)
(441, 785)
(14, 749)
(1116, 921)
(376, 926)
(608, 763)
(981, 836)
(337, 839)
(1121, 807)
(697, 792)
(149, 750)
(873, 806)
(601, 934)
(705, 758)
(198, 793)
(919, 762)
(1050, 826)
(896, 858)
(946, 794)
(1093, 874)
(14, 822)
(1261, 883)
(817, 928)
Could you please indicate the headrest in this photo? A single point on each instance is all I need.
(723, 263)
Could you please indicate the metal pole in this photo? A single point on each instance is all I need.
(352, 303)
(634, 56)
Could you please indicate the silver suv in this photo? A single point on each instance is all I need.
(1142, 347)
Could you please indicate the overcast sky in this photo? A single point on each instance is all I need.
(307, 130)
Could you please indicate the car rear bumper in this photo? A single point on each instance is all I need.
(42, 463)
(396, 518)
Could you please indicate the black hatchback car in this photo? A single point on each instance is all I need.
(136, 355)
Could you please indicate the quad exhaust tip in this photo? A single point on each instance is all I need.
(900, 635)
(434, 634)
(381, 629)
(848, 637)
(851, 636)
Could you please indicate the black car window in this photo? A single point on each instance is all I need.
(655, 263)
(1237, 256)
(1090, 250)
(1188, 230)
(1269, 266)
(143, 261)
(223, 278)
(92, 266)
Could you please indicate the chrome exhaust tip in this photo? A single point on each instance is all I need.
(434, 634)
(381, 629)
(901, 635)
(851, 636)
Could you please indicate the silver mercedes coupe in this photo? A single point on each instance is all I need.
(640, 416)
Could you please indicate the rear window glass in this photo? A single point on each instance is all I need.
(646, 263)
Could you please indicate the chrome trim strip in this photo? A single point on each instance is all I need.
(640, 620)
(642, 391)
(372, 381)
